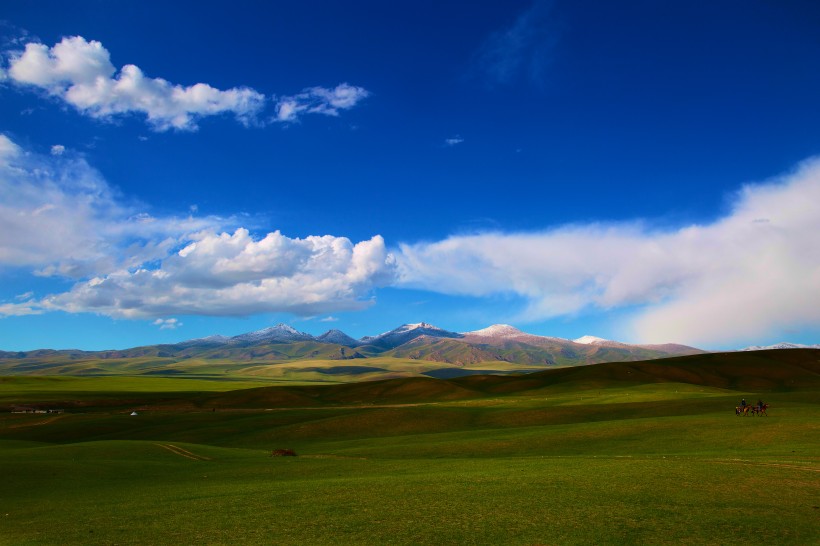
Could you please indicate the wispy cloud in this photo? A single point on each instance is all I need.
(735, 279)
(522, 49)
(319, 100)
(59, 217)
(450, 142)
(80, 73)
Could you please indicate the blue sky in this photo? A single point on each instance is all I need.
(644, 171)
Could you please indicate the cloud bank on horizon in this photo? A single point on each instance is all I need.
(755, 269)
(80, 73)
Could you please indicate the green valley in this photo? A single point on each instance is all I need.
(647, 451)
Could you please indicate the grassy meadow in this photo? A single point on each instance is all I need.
(606, 454)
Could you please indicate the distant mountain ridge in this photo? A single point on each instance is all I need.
(781, 345)
(420, 341)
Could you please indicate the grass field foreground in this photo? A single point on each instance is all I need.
(595, 459)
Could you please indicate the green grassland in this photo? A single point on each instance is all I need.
(639, 452)
(307, 371)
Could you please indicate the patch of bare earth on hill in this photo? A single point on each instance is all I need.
(327, 456)
(758, 463)
(183, 452)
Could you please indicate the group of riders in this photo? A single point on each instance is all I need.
(757, 409)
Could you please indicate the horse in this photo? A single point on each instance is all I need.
(742, 410)
(760, 410)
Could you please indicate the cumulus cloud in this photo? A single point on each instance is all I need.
(319, 100)
(80, 72)
(234, 274)
(58, 216)
(57, 149)
(755, 271)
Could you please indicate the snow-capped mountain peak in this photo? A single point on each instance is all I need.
(338, 337)
(211, 339)
(781, 345)
(280, 332)
(407, 332)
(416, 326)
(497, 330)
(591, 340)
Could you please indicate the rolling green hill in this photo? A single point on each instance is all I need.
(643, 452)
(758, 371)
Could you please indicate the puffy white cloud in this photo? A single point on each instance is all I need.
(319, 100)
(73, 60)
(57, 149)
(167, 324)
(80, 72)
(751, 273)
(233, 274)
(57, 215)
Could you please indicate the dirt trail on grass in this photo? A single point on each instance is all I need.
(757, 463)
(37, 423)
(327, 456)
(183, 452)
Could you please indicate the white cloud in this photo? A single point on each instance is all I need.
(319, 100)
(234, 274)
(57, 149)
(8, 150)
(329, 319)
(167, 324)
(18, 309)
(453, 141)
(736, 279)
(80, 72)
(58, 216)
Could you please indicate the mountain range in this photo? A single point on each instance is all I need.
(421, 341)
(781, 345)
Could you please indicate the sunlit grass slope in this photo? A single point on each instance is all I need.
(647, 453)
